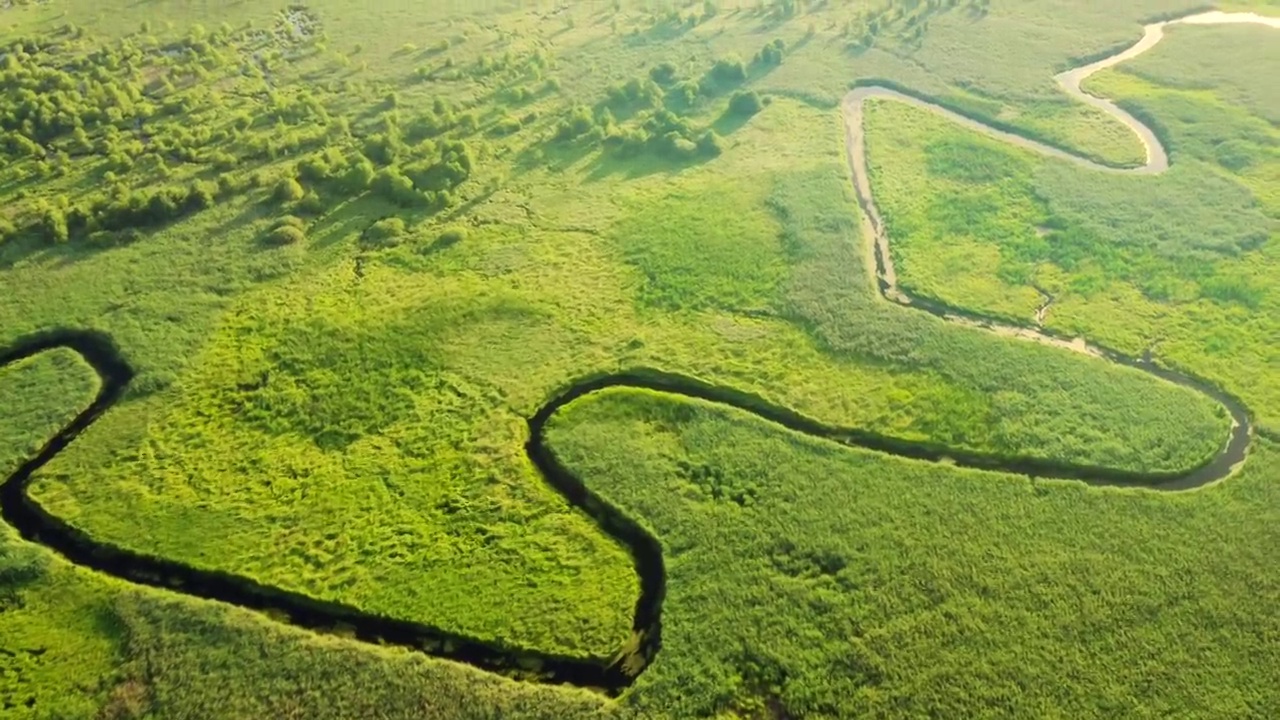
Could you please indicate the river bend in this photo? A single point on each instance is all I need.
(615, 674)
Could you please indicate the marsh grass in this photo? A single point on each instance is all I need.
(345, 417)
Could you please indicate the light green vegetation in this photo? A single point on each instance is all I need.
(42, 394)
(1224, 61)
(1183, 263)
(487, 208)
(252, 667)
(265, 461)
(847, 584)
(56, 658)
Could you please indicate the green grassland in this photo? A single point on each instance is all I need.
(798, 595)
(57, 651)
(841, 583)
(1179, 264)
(349, 252)
(278, 478)
(76, 645)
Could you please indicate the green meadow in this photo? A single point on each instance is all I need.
(1177, 264)
(350, 249)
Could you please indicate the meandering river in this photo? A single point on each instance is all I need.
(37, 525)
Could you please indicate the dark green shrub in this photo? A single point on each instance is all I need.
(729, 70)
(315, 169)
(311, 204)
(710, 145)
(663, 74)
(746, 103)
(382, 148)
(452, 236)
(772, 53)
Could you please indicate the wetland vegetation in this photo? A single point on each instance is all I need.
(350, 254)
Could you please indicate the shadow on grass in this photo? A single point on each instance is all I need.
(555, 155)
(730, 122)
(610, 165)
(350, 219)
(662, 32)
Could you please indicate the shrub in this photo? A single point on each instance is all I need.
(53, 224)
(452, 236)
(635, 92)
(315, 168)
(710, 145)
(286, 235)
(382, 148)
(663, 74)
(289, 190)
(746, 103)
(508, 125)
(396, 187)
(729, 70)
(628, 142)
(579, 123)
(292, 221)
(386, 230)
(230, 184)
(200, 196)
(288, 230)
(772, 53)
(223, 161)
(311, 204)
(359, 177)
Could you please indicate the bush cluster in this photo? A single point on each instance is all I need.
(288, 230)
(124, 210)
